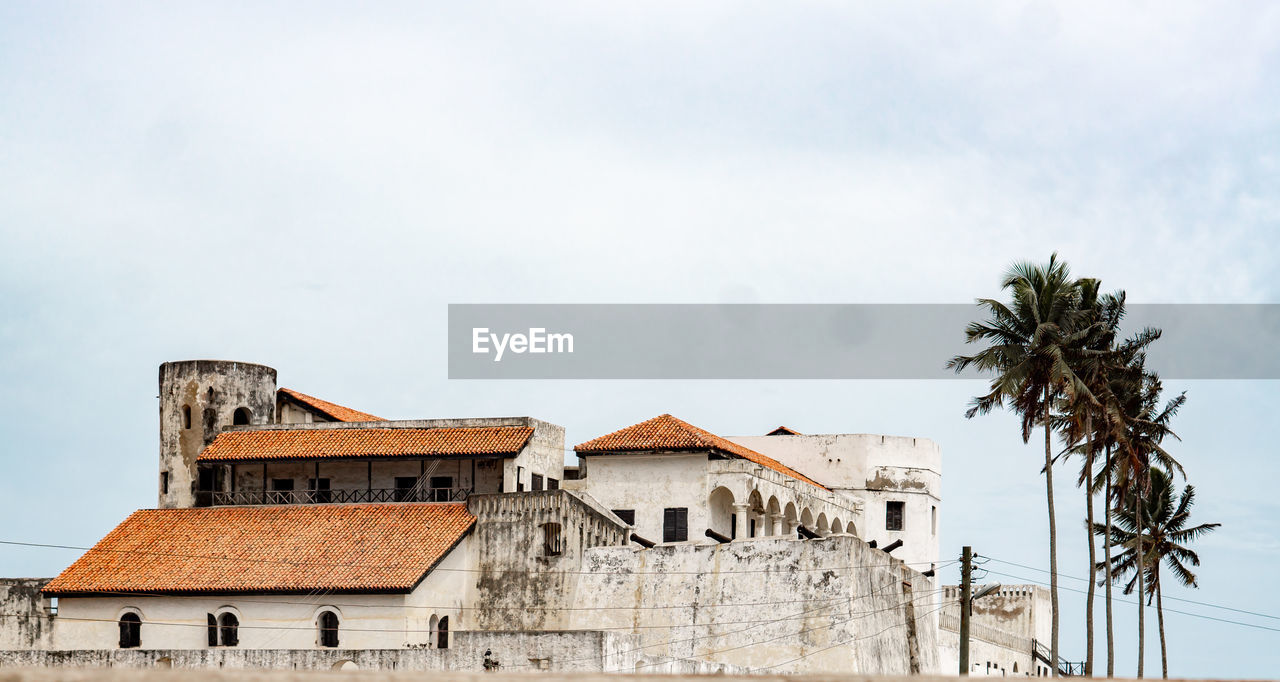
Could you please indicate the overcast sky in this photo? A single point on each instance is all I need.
(308, 187)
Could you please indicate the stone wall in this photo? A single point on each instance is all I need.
(514, 651)
(26, 623)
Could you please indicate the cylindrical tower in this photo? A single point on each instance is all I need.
(198, 398)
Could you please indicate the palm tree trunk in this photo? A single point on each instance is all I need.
(1140, 548)
(1106, 549)
(1093, 552)
(1053, 537)
(1164, 652)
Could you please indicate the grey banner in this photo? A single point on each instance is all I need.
(819, 341)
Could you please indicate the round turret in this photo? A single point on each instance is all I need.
(198, 399)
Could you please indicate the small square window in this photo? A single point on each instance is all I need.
(675, 524)
(535, 482)
(893, 513)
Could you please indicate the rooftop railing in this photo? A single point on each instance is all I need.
(218, 498)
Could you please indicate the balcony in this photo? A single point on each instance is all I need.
(217, 498)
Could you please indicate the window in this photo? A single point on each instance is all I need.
(893, 512)
(441, 488)
(281, 491)
(213, 630)
(553, 540)
(328, 629)
(751, 528)
(228, 629)
(553, 483)
(934, 520)
(442, 633)
(130, 631)
(628, 516)
(186, 416)
(519, 479)
(675, 524)
(240, 417)
(164, 482)
(535, 482)
(404, 488)
(320, 490)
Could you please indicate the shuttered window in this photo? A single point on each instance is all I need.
(675, 524)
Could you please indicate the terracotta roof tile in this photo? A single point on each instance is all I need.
(783, 431)
(665, 432)
(281, 549)
(270, 444)
(334, 411)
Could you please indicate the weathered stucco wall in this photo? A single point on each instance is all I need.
(211, 391)
(27, 623)
(514, 651)
(1003, 628)
(875, 470)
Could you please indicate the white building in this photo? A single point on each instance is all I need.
(294, 532)
(1008, 632)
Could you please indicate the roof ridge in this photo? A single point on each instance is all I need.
(339, 412)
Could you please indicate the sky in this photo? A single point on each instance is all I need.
(308, 186)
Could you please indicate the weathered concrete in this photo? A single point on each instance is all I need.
(1003, 628)
(873, 470)
(27, 623)
(198, 398)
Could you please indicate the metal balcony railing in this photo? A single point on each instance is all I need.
(217, 498)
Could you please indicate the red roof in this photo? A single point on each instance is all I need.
(358, 443)
(333, 411)
(280, 549)
(665, 432)
(783, 431)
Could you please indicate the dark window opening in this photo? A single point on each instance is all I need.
(519, 479)
(733, 526)
(893, 513)
(553, 540)
(627, 515)
(751, 528)
(329, 629)
(404, 488)
(228, 629)
(240, 417)
(675, 524)
(282, 484)
(210, 394)
(441, 488)
(164, 482)
(320, 490)
(553, 483)
(535, 482)
(130, 631)
(213, 630)
(442, 634)
(186, 416)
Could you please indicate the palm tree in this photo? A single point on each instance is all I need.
(1163, 540)
(1139, 426)
(1030, 339)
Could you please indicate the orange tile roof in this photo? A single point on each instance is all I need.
(334, 411)
(268, 444)
(783, 431)
(665, 432)
(278, 549)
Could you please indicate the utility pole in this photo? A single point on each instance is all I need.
(966, 588)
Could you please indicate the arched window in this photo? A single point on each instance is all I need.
(228, 629)
(130, 631)
(434, 626)
(240, 417)
(328, 629)
(186, 416)
(442, 633)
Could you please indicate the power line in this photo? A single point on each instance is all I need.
(1139, 604)
(288, 562)
(1187, 601)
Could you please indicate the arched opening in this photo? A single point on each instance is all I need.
(806, 518)
(345, 664)
(186, 416)
(241, 416)
(773, 518)
(790, 520)
(130, 631)
(328, 623)
(755, 512)
(228, 629)
(823, 528)
(433, 626)
(837, 527)
(720, 513)
(442, 634)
